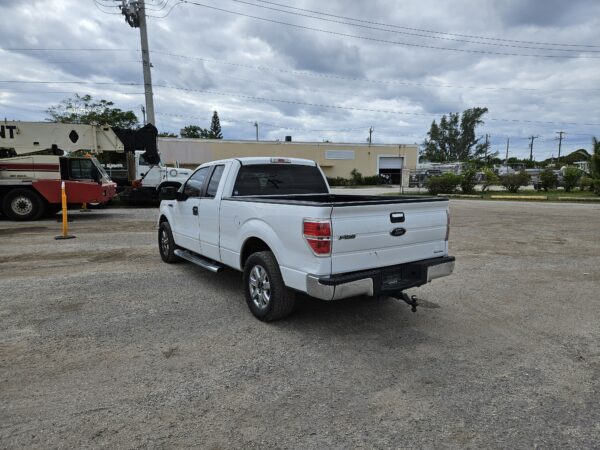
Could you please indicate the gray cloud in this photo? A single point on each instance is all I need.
(422, 82)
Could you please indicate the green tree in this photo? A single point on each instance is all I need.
(454, 139)
(548, 180)
(194, 132)
(571, 177)
(595, 159)
(443, 184)
(489, 179)
(514, 181)
(215, 127)
(468, 181)
(84, 109)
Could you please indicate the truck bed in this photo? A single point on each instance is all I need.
(336, 199)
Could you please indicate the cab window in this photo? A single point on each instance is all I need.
(193, 187)
(213, 184)
(81, 169)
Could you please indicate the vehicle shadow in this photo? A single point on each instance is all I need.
(341, 316)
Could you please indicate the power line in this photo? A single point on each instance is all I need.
(97, 5)
(372, 39)
(294, 102)
(409, 33)
(368, 80)
(54, 49)
(309, 74)
(267, 124)
(428, 31)
(168, 12)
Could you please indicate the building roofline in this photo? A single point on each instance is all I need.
(253, 142)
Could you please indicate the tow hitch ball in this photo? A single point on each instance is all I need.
(410, 300)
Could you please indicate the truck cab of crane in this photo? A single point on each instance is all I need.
(157, 176)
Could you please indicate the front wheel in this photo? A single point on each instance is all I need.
(166, 244)
(266, 294)
(23, 204)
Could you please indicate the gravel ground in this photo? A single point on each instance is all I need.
(103, 345)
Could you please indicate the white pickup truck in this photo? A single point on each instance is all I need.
(276, 220)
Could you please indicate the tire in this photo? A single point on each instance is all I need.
(166, 244)
(23, 204)
(266, 303)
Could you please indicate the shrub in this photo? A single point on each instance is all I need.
(490, 178)
(468, 181)
(515, 181)
(443, 184)
(357, 178)
(571, 177)
(373, 180)
(585, 183)
(596, 186)
(548, 180)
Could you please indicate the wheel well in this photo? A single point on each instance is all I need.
(162, 219)
(252, 245)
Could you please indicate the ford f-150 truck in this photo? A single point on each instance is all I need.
(276, 220)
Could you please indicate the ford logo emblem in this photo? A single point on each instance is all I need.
(398, 232)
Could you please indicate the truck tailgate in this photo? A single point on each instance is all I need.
(379, 235)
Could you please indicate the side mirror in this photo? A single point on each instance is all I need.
(168, 193)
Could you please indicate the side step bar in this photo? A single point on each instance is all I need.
(207, 264)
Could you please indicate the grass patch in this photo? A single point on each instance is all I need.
(559, 196)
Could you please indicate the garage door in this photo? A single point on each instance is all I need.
(390, 162)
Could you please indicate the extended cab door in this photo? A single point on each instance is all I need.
(208, 217)
(185, 211)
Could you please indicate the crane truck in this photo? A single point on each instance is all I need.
(35, 157)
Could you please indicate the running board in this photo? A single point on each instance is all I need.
(207, 264)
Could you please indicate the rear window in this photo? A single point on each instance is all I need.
(279, 179)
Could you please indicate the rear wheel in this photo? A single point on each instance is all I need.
(166, 244)
(23, 204)
(266, 294)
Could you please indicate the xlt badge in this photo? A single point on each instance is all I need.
(347, 236)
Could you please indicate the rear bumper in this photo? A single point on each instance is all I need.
(380, 281)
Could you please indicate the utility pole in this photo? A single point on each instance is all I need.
(370, 135)
(533, 138)
(256, 125)
(560, 138)
(506, 159)
(143, 113)
(135, 15)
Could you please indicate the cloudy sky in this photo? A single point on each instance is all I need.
(319, 70)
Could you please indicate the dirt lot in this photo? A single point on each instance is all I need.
(103, 345)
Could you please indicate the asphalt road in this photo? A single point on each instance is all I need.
(103, 345)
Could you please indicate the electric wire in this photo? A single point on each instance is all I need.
(425, 30)
(285, 101)
(387, 41)
(408, 33)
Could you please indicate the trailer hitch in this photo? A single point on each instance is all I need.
(410, 300)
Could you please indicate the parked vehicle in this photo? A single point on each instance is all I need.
(30, 151)
(32, 170)
(148, 178)
(275, 220)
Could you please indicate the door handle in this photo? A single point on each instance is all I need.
(396, 217)
(195, 210)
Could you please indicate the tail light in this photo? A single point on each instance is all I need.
(447, 225)
(317, 234)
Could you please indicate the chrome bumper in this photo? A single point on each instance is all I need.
(314, 288)
(378, 281)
